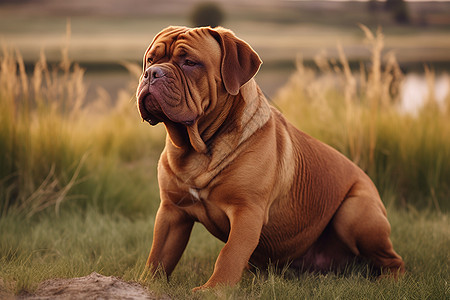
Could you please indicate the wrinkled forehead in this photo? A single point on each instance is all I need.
(184, 41)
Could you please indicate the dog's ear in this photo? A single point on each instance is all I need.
(239, 61)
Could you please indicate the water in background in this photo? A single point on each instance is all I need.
(416, 90)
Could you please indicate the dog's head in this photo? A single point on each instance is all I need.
(187, 72)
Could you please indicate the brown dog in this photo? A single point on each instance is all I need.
(233, 163)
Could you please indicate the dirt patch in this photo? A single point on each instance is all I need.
(93, 286)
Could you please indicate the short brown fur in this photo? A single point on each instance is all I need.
(235, 164)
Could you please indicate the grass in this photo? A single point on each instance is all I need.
(78, 189)
(76, 244)
(357, 113)
(58, 147)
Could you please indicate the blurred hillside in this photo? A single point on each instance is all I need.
(113, 30)
(106, 32)
(425, 12)
(422, 12)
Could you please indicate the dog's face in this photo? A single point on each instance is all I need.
(188, 71)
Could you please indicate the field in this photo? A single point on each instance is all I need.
(78, 187)
(75, 244)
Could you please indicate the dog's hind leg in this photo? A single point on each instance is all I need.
(361, 223)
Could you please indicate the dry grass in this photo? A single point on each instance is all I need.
(358, 113)
(58, 146)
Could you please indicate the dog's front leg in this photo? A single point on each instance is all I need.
(246, 225)
(171, 234)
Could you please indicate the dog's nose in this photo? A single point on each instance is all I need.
(153, 73)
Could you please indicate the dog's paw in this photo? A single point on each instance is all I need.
(200, 288)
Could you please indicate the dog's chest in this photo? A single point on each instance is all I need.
(207, 213)
(190, 196)
(195, 194)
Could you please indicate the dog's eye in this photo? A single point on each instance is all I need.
(149, 60)
(189, 63)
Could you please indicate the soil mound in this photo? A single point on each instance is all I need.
(93, 286)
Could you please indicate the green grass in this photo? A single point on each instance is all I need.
(78, 187)
(77, 243)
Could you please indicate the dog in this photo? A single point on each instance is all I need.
(233, 163)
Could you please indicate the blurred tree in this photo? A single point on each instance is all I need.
(374, 6)
(17, 2)
(399, 9)
(207, 14)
